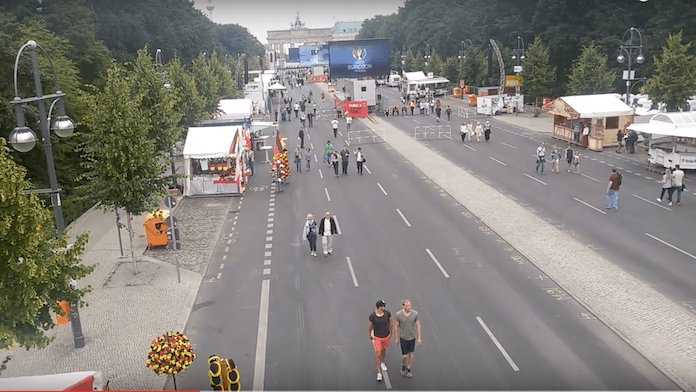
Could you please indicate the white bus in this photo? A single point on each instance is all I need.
(416, 83)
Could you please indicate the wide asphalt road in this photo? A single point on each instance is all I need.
(490, 319)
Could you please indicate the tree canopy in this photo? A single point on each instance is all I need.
(674, 80)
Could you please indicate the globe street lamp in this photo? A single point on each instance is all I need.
(632, 49)
(427, 54)
(23, 139)
(518, 53)
(466, 44)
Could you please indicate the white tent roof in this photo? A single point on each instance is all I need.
(669, 124)
(277, 86)
(210, 142)
(236, 108)
(598, 105)
(414, 76)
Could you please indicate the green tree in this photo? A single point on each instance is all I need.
(674, 80)
(190, 103)
(590, 73)
(123, 167)
(221, 72)
(473, 67)
(537, 73)
(435, 64)
(237, 39)
(37, 265)
(157, 100)
(450, 70)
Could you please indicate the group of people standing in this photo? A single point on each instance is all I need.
(467, 129)
(672, 181)
(332, 157)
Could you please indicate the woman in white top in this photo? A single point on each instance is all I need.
(479, 131)
(666, 185)
(463, 129)
(309, 232)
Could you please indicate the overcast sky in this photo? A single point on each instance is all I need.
(259, 16)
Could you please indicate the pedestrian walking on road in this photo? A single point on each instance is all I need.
(432, 106)
(349, 120)
(334, 161)
(555, 157)
(577, 158)
(359, 159)
(666, 186)
(328, 150)
(300, 135)
(448, 112)
(412, 105)
(314, 108)
(469, 130)
(310, 117)
(463, 129)
(297, 109)
(308, 156)
(334, 125)
(407, 332)
(303, 117)
(569, 152)
(541, 157)
(438, 111)
(327, 229)
(487, 131)
(678, 184)
(345, 154)
(310, 233)
(479, 131)
(620, 141)
(298, 159)
(612, 196)
(404, 110)
(379, 331)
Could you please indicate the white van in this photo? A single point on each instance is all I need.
(393, 80)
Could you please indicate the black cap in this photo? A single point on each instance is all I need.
(381, 302)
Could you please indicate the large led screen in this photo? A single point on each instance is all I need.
(294, 55)
(314, 55)
(359, 58)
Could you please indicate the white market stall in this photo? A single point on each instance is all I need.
(672, 139)
(231, 111)
(213, 160)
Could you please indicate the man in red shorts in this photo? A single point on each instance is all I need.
(378, 329)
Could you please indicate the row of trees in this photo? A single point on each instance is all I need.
(575, 36)
(129, 111)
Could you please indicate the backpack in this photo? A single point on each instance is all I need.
(619, 178)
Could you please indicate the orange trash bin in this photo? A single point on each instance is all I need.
(456, 92)
(155, 228)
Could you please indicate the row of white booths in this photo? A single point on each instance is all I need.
(217, 152)
(672, 137)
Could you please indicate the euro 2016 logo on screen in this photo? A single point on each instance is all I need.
(359, 53)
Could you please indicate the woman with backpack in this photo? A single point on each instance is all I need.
(666, 186)
(310, 233)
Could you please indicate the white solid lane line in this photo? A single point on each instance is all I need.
(497, 343)
(511, 146)
(437, 263)
(403, 217)
(593, 207)
(652, 202)
(320, 174)
(261, 338)
(671, 246)
(352, 272)
(591, 178)
(338, 227)
(383, 191)
(539, 181)
(502, 163)
(467, 146)
(328, 198)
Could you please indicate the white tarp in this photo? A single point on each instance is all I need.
(55, 382)
(277, 86)
(210, 142)
(235, 108)
(598, 105)
(414, 76)
(681, 124)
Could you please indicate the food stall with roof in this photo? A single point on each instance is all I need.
(672, 139)
(604, 114)
(214, 161)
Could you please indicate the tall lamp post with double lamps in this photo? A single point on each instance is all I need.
(631, 47)
(23, 139)
(518, 54)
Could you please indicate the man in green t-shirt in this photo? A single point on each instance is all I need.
(407, 332)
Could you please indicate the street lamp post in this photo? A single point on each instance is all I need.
(23, 139)
(160, 68)
(427, 54)
(518, 54)
(631, 49)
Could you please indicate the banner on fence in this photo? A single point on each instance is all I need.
(355, 108)
(317, 78)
